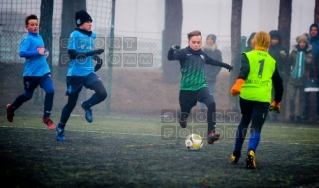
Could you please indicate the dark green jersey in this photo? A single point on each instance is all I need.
(193, 67)
(193, 73)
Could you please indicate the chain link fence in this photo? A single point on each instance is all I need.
(137, 84)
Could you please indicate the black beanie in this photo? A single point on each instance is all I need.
(81, 17)
(212, 36)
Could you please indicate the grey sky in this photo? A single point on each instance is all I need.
(145, 18)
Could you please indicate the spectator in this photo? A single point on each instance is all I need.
(311, 85)
(249, 46)
(280, 54)
(314, 42)
(299, 59)
(210, 48)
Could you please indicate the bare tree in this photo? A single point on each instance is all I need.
(284, 28)
(46, 26)
(316, 20)
(69, 8)
(284, 22)
(171, 35)
(45, 29)
(235, 44)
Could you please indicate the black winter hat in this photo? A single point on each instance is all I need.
(81, 17)
(274, 34)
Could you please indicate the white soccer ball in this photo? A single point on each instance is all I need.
(194, 142)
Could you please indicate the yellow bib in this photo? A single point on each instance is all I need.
(258, 84)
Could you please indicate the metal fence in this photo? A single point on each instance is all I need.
(137, 90)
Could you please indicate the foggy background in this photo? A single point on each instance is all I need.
(137, 89)
(145, 18)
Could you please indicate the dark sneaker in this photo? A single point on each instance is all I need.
(251, 160)
(212, 137)
(48, 122)
(88, 113)
(234, 158)
(183, 124)
(60, 134)
(10, 113)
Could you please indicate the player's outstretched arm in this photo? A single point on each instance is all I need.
(243, 74)
(174, 53)
(214, 62)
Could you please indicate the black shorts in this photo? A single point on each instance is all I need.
(257, 110)
(75, 83)
(190, 98)
(32, 82)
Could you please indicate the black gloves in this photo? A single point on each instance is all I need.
(99, 63)
(229, 67)
(94, 52)
(176, 47)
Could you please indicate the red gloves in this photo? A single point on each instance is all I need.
(235, 90)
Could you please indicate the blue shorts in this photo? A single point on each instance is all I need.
(75, 83)
(32, 82)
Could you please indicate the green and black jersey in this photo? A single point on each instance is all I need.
(193, 67)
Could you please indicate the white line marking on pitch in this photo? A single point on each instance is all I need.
(139, 134)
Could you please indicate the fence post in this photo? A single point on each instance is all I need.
(110, 63)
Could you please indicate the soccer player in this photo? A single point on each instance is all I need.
(81, 71)
(258, 74)
(193, 85)
(36, 71)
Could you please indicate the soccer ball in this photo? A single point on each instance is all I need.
(194, 142)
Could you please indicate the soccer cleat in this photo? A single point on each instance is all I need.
(60, 134)
(251, 160)
(212, 137)
(10, 113)
(48, 122)
(183, 124)
(234, 158)
(88, 113)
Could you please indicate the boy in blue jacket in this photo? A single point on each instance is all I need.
(81, 71)
(36, 71)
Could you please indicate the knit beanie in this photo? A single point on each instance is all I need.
(81, 17)
(302, 38)
(212, 36)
